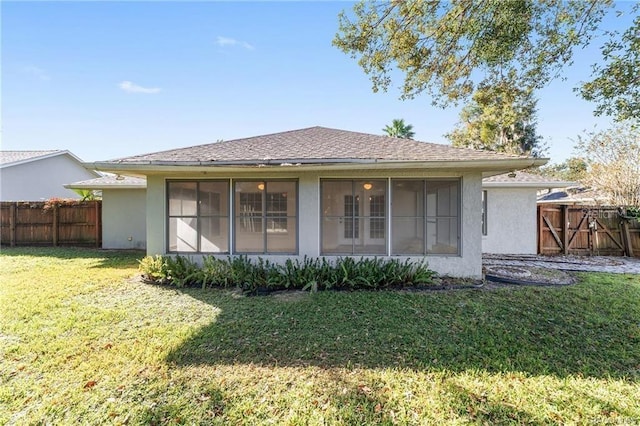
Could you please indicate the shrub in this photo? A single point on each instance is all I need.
(312, 274)
(154, 268)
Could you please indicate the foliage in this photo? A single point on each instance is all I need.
(573, 169)
(84, 344)
(612, 158)
(443, 47)
(615, 87)
(154, 268)
(309, 273)
(59, 202)
(500, 117)
(87, 194)
(397, 129)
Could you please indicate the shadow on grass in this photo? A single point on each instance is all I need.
(106, 258)
(592, 329)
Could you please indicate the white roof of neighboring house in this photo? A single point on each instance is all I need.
(14, 158)
(523, 180)
(576, 195)
(110, 182)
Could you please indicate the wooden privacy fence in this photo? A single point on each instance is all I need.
(587, 230)
(53, 222)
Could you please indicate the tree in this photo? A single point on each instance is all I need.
(613, 162)
(499, 118)
(444, 46)
(398, 129)
(573, 169)
(616, 86)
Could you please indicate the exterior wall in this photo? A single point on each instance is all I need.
(511, 221)
(124, 219)
(467, 264)
(42, 179)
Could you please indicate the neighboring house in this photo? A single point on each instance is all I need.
(123, 210)
(509, 224)
(320, 192)
(39, 175)
(574, 196)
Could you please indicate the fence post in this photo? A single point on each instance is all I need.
(97, 230)
(626, 237)
(565, 229)
(55, 229)
(540, 229)
(12, 223)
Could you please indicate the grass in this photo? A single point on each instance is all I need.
(81, 342)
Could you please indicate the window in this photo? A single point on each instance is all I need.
(484, 212)
(265, 217)
(425, 216)
(198, 216)
(354, 216)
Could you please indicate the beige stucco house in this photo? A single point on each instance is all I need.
(319, 192)
(509, 222)
(40, 175)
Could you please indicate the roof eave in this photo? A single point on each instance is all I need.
(536, 185)
(492, 165)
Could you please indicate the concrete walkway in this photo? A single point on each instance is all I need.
(616, 265)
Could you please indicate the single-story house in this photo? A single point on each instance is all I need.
(509, 221)
(124, 213)
(574, 195)
(40, 175)
(319, 192)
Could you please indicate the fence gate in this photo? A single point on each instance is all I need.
(586, 230)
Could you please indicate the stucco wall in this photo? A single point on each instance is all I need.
(124, 219)
(41, 179)
(467, 264)
(511, 221)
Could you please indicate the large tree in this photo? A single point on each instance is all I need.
(448, 47)
(613, 162)
(573, 169)
(398, 129)
(616, 85)
(500, 118)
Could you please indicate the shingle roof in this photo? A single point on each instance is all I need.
(8, 157)
(110, 181)
(314, 144)
(525, 179)
(521, 178)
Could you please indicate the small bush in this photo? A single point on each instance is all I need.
(154, 268)
(313, 274)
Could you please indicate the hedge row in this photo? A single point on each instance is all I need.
(313, 274)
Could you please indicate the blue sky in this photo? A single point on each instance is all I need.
(107, 80)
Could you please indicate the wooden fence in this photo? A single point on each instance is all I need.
(51, 223)
(587, 230)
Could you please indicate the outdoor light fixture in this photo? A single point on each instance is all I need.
(367, 186)
(261, 186)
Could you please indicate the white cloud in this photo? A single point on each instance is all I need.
(36, 72)
(227, 41)
(131, 87)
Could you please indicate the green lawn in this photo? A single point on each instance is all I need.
(82, 343)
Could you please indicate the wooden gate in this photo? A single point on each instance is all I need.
(586, 230)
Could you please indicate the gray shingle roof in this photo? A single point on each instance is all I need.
(314, 144)
(520, 178)
(110, 181)
(8, 157)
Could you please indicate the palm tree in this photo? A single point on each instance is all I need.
(398, 129)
